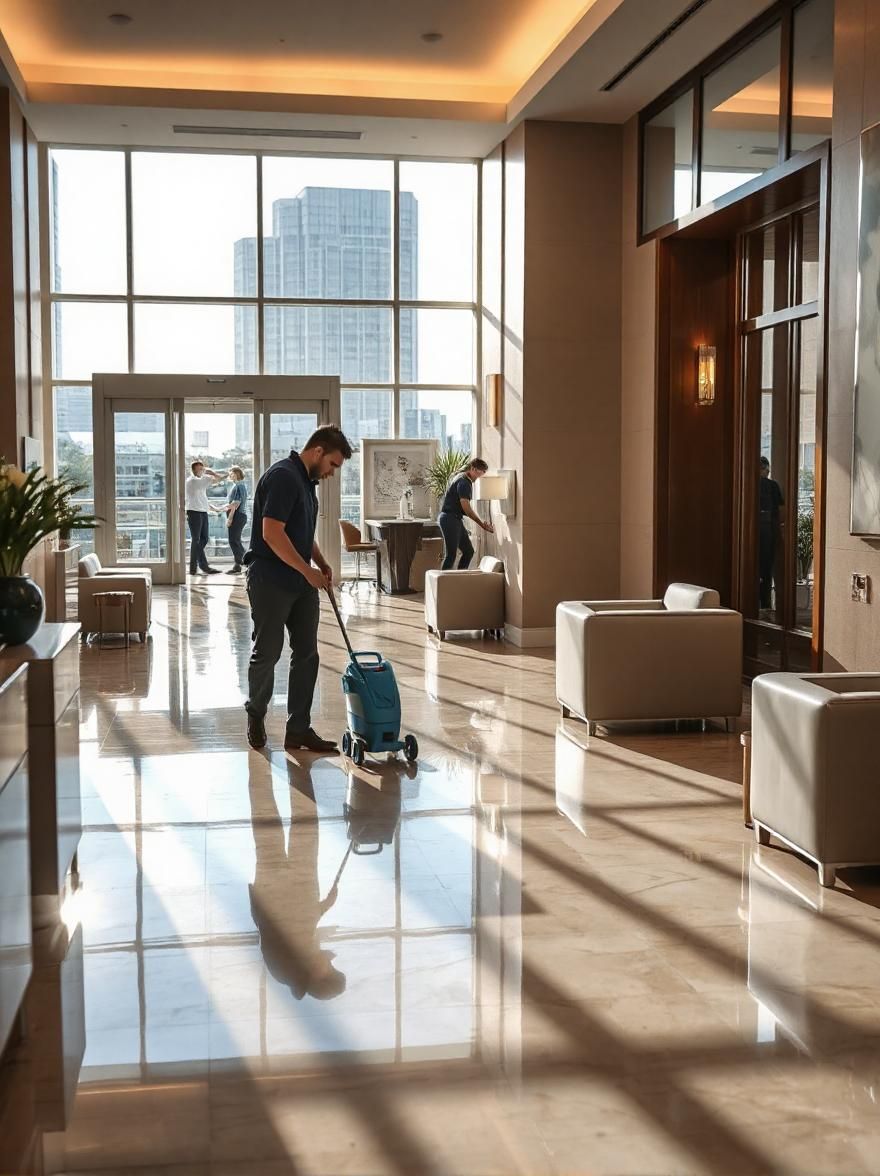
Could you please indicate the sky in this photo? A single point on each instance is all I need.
(187, 212)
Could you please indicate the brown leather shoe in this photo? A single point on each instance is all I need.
(308, 741)
(256, 732)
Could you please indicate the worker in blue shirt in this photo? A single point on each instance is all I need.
(457, 504)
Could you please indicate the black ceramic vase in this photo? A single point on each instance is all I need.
(21, 609)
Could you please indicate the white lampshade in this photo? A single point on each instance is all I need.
(492, 488)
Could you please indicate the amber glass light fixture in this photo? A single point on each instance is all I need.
(705, 374)
(494, 389)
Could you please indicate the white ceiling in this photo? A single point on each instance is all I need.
(359, 65)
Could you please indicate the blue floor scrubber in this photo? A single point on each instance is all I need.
(372, 701)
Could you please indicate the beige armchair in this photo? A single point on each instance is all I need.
(466, 600)
(815, 748)
(675, 658)
(94, 579)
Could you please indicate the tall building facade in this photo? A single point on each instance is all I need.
(331, 243)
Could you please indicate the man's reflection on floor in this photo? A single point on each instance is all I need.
(286, 903)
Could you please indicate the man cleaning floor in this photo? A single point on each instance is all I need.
(285, 573)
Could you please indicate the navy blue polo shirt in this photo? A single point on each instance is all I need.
(462, 487)
(286, 493)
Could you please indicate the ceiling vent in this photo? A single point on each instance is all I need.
(770, 152)
(663, 35)
(268, 132)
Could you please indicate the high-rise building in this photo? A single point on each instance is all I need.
(331, 243)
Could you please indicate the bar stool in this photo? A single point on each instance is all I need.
(105, 600)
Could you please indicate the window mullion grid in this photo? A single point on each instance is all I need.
(261, 278)
(477, 290)
(129, 261)
(260, 301)
(395, 313)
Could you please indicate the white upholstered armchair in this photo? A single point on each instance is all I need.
(815, 748)
(675, 658)
(93, 578)
(466, 599)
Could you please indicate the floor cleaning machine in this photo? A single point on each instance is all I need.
(372, 701)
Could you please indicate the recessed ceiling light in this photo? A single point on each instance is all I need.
(120, 18)
(432, 38)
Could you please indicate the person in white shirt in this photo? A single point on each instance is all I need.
(197, 508)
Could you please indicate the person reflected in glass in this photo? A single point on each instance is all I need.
(770, 503)
(457, 505)
(235, 509)
(285, 895)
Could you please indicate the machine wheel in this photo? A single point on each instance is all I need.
(411, 748)
(358, 752)
(346, 743)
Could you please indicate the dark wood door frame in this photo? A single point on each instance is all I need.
(801, 181)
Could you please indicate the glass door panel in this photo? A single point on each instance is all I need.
(287, 425)
(780, 394)
(287, 430)
(223, 438)
(808, 332)
(141, 476)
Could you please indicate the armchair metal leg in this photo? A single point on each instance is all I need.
(827, 875)
(591, 727)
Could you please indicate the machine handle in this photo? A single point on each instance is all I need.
(367, 653)
(366, 852)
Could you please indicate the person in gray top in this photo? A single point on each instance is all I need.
(457, 504)
(235, 510)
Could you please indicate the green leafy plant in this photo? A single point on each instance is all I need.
(444, 469)
(805, 541)
(32, 507)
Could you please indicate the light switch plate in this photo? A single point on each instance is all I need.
(860, 587)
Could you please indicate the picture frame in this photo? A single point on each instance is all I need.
(865, 476)
(388, 466)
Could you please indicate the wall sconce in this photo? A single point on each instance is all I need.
(705, 374)
(500, 488)
(494, 387)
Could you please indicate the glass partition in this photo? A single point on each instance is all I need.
(741, 103)
(812, 74)
(667, 163)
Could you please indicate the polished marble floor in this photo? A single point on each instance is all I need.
(529, 953)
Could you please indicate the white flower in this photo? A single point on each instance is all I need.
(13, 475)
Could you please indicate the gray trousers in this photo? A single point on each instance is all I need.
(275, 608)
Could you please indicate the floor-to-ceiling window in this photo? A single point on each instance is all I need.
(191, 262)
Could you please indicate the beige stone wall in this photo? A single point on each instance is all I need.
(638, 339)
(556, 334)
(852, 631)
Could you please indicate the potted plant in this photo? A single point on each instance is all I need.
(804, 542)
(448, 465)
(32, 507)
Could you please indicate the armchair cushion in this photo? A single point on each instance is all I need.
(683, 596)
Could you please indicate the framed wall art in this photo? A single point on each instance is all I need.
(388, 467)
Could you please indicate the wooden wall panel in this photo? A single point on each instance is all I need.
(21, 380)
(695, 464)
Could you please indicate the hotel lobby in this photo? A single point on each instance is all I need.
(618, 912)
